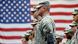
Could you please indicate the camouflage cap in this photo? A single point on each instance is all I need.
(75, 12)
(38, 6)
(68, 31)
(75, 23)
(72, 25)
(46, 3)
(59, 36)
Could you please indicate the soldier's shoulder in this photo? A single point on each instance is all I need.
(48, 19)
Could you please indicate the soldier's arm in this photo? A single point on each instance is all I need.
(50, 28)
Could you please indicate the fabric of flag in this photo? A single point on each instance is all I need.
(61, 11)
(15, 20)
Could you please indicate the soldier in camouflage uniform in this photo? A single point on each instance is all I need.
(45, 28)
(75, 21)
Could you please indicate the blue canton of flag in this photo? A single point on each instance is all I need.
(15, 11)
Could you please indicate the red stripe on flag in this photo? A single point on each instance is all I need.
(60, 29)
(15, 29)
(10, 37)
(2, 29)
(62, 5)
(19, 37)
(63, 21)
(22, 29)
(61, 13)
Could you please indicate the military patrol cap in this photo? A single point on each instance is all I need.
(28, 33)
(46, 4)
(68, 31)
(76, 23)
(75, 12)
(72, 25)
(59, 36)
(38, 6)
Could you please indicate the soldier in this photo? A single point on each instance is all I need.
(45, 32)
(59, 39)
(75, 17)
(25, 38)
(75, 21)
(69, 34)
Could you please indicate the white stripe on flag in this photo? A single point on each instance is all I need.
(11, 41)
(62, 9)
(62, 17)
(15, 25)
(62, 25)
(64, 2)
(15, 33)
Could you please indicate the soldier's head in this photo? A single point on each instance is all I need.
(69, 33)
(73, 27)
(59, 38)
(43, 7)
(75, 15)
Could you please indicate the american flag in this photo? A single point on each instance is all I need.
(15, 20)
(14, 14)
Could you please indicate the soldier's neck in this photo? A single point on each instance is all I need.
(45, 14)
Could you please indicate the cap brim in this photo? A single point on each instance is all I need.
(38, 6)
(72, 25)
(74, 14)
(65, 32)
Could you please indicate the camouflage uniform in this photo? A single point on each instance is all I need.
(43, 27)
(75, 37)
